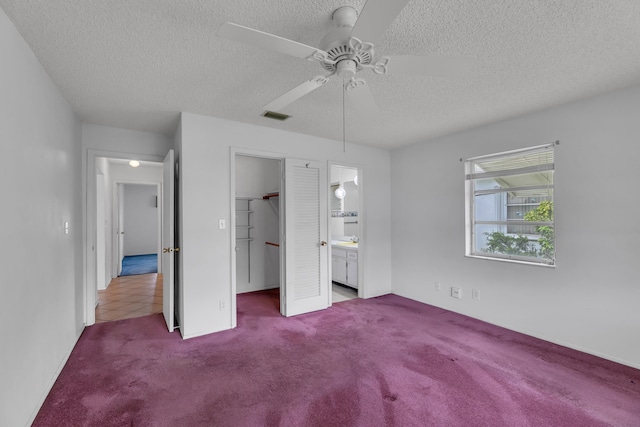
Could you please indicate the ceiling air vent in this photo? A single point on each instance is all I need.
(275, 116)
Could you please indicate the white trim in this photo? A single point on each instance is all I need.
(511, 258)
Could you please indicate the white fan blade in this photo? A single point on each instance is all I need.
(361, 98)
(375, 17)
(296, 93)
(266, 41)
(438, 66)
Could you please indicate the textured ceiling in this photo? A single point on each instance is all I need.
(136, 64)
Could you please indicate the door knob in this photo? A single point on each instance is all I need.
(323, 243)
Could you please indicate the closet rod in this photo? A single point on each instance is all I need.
(272, 244)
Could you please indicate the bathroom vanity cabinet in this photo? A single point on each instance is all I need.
(344, 265)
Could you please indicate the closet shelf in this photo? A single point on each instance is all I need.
(244, 226)
(270, 195)
(248, 239)
(239, 211)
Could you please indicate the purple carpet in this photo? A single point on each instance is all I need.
(387, 361)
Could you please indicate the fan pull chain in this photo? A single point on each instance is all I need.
(344, 138)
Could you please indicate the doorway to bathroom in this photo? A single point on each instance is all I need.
(345, 227)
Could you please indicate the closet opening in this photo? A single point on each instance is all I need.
(258, 228)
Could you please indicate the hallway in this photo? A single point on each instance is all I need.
(130, 296)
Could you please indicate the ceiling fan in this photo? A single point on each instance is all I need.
(347, 50)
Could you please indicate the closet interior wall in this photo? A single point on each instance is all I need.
(257, 222)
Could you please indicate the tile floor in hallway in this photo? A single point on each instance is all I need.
(130, 296)
(342, 293)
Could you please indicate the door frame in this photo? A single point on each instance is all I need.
(362, 243)
(101, 234)
(89, 257)
(117, 210)
(233, 152)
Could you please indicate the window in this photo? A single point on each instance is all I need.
(510, 206)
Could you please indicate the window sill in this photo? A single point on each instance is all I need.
(512, 260)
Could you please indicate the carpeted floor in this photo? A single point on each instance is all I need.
(139, 264)
(386, 361)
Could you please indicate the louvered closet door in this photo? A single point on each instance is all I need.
(306, 279)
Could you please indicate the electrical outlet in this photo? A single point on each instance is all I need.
(456, 292)
(222, 305)
(475, 294)
(438, 287)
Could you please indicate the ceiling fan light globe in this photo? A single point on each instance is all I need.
(346, 69)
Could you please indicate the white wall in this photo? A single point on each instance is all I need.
(141, 219)
(103, 167)
(590, 300)
(102, 232)
(116, 140)
(257, 176)
(205, 195)
(41, 305)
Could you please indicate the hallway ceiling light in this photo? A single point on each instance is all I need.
(355, 180)
(134, 163)
(340, 192)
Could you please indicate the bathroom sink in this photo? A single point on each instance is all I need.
(350, 244)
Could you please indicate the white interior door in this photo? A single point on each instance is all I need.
(306, 281)
(101, 234)
(168, 239)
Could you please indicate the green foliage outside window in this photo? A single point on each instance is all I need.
(501, 243)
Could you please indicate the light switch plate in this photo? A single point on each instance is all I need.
(222, 224)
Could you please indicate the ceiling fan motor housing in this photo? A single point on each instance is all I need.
(346, 69)
(336, 42)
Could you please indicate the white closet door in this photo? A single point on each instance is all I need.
(168, 239)
(306, 282)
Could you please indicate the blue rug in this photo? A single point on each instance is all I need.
(139, 264)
